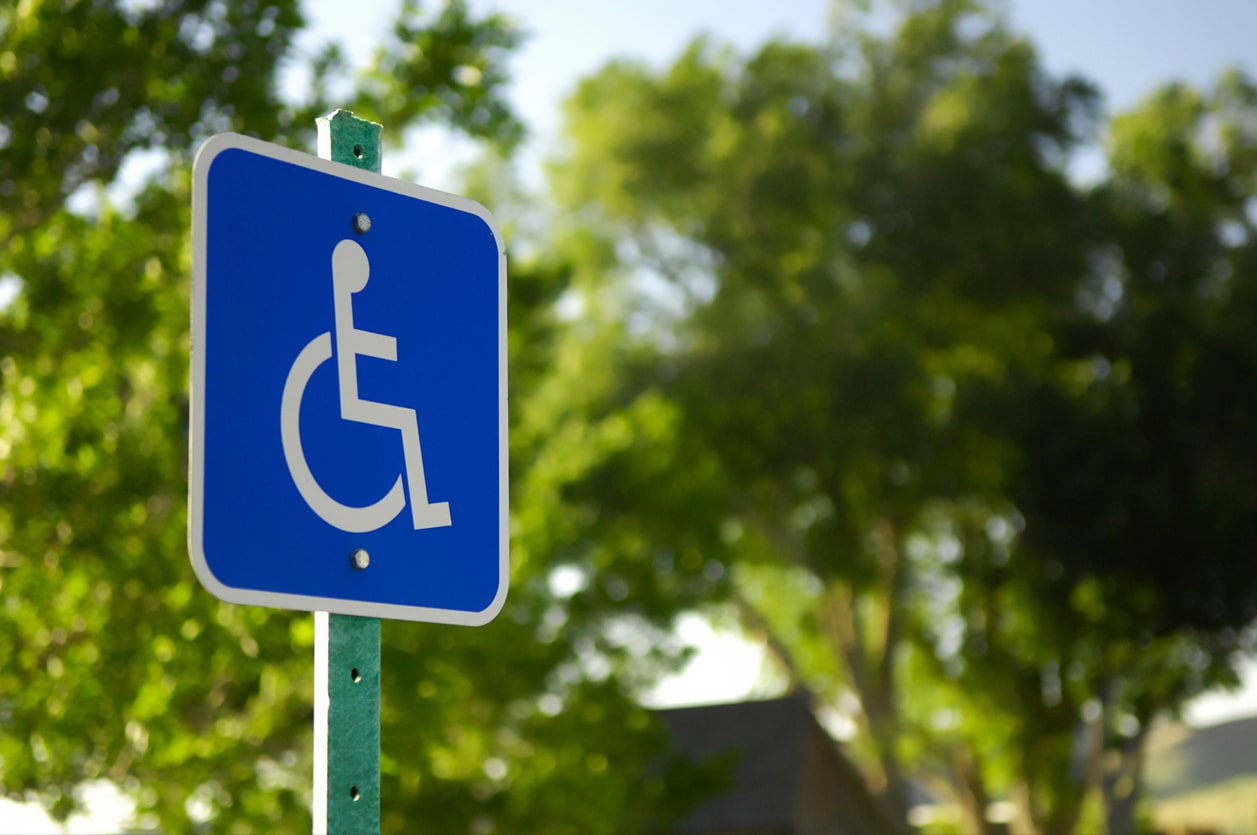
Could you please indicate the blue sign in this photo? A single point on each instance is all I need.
(348, 429)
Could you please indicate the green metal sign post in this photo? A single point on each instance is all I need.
(440, 287)
(347, 648)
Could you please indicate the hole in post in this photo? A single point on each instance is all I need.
(355, 675)
(358, 151)
(354, 794)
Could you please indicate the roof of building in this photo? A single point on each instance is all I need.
(768, 744)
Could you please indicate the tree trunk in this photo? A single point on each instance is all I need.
(1123, 784)
(1024, 821)
(971, 792)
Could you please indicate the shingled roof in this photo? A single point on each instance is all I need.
(789, 776)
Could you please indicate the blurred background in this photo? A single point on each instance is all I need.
(883, 373)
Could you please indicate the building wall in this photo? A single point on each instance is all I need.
(833, 799)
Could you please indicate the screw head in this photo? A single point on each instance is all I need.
(359, 559)
(362, 223)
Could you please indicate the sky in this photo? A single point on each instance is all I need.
(1126, 47)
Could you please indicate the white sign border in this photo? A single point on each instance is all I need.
(201, 166)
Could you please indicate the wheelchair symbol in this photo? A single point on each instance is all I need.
(350, 272)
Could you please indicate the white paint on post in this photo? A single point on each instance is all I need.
(322, 705)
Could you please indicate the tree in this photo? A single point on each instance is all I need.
(1149, 411)
(876, 305)
(821, 336)
(119, 666)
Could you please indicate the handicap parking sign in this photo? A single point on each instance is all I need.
(348, 427)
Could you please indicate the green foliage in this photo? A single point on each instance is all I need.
(976, 432)
(821, 335)
(117, 665)
(1153, 417)
(449, 66)
(83, 84)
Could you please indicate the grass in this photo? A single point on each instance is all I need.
(1229, 808)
